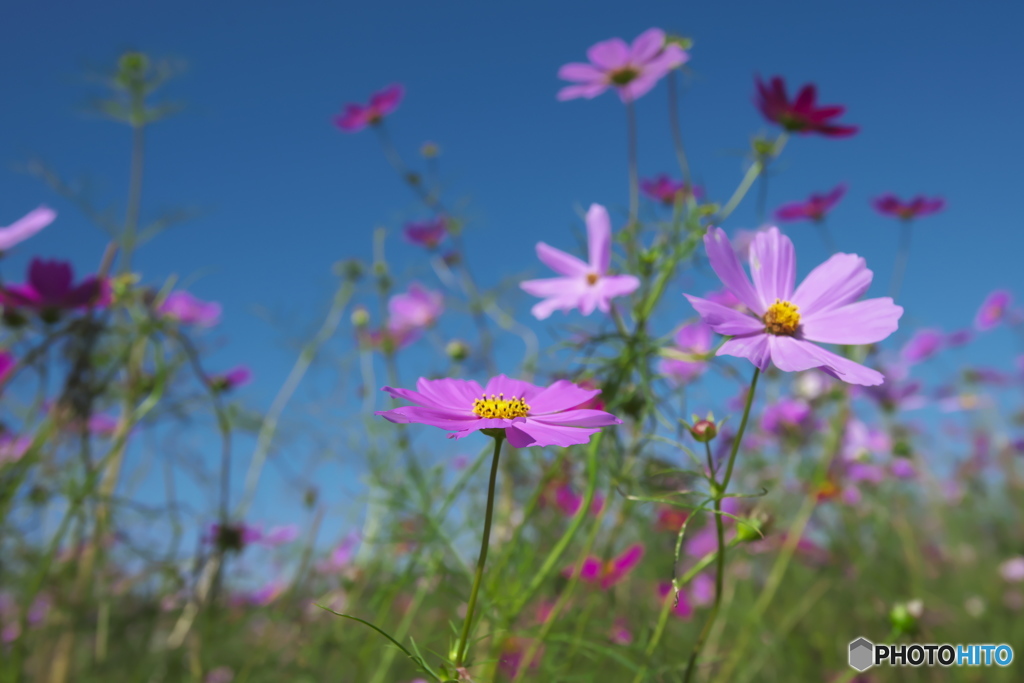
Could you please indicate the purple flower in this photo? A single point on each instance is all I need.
(7, 363)
(787, 416)
(1012, 570)
(993, 310)
(802, 115)
(51, 289)
(231, 379)
(13, 448)
(233, 537)
(25, 227)
(693, 339)
(529, 414)
(188, 310)
(357, 116)
(959, 338)
(414, 310)
(786, 321)
(922, 346)
(341, 557)
(585, 286)
(682, 607)
(633, 70)
(607, 574)
(280, 535)
(427, 233)
(668, 191)
(860, 441)
(902, 468)
(813, 208)
(891, 205)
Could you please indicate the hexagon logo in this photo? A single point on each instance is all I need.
(862, 654)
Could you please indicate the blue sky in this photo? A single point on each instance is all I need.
(283, 195)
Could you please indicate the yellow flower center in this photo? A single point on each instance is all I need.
(782, 318)
(500, 408)
(592, 278)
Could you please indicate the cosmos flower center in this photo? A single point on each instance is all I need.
(781, 318)
(623, 76)
(498, 407)
(592, 278)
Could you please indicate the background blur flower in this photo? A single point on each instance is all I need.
(222, 674)
(1012, 570)
(694, 339)
(232, 379)
(414, 309)
(787, 416)
(426, 233)
(814, 208)
(356, 117)
(608, 574)
(681, 607)
(993, 310)
(891, 205)
(922, 346)
(802, 115)
(529, 414)
(189, 310)
(668, 191)
(25, 227)
(585, 286)
(959, 338)
(786, 322)
(50, 288)
(632, 70)
(13, 448)
(7, 363)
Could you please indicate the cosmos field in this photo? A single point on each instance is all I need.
(673, 446)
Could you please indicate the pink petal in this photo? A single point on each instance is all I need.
(647, 45)
(583, 417)
(641, 85)
(730, 272)
(562, 395)
(845, 369)
(540, 434)
(612, 286)
(863, 322)
(609, 54)
(773, 266)
(753, 347)
(588, 90)
(599, 238)
(549, 287)
(503, 384)
(582, 73)
(455, 394)
(25, 227)
(724, 320)
(840, 280)
(792, 355)
(561, 262)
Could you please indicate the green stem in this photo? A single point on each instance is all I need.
(131, 221)
(902, 257)
(478, 578)
(673, 123)
(634, 182)
(759, 165)
(826, 236)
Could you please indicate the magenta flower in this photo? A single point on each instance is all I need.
(607, 574)
(813, 208)
(668, 191)
(529, 414)
(802, 115)
(787, 416)
(682, 607)
(891, 205)
(414, 310)
(426, 233)
(585, 286)
(232, 379)
(993, 310)
(189, 310)
(693, 339)
(922, 346)
(619, 633)
(632, 70)
(7, 363)
(569, 502)
(357, 117)
(51, 289)
(25, 227)
(786, 322)
(341, 557)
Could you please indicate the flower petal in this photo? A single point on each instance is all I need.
(725, 320)
(609, 54)
(562, 395)
(584, 417)
(540, 434)
(840, 280)
(863, 322)
(647, 45)
(587, 90)
(599, 238)
(26, 226)
(772, 266)
(560, 262)
(581, 73)
(612, 286)
(792, 355)
(730, 272)
(753, 347)
(502, 384)
(845, 369)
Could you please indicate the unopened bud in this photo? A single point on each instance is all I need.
(704, 431)
(904, 616)
(457, 350)
(681, 41)
(360, 317)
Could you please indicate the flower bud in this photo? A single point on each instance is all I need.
(430, 150)
(681, 41)
(704, 431)
(457, 350)
(904, 616)
(360, 317)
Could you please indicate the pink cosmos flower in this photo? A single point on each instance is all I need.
(357, 116)
(993, 310)
(692, 339)
(922, 346)
(25, 227)
(669, 191)
(891, 205)
(189, 310)
(414, 310)
(1012, 570)
(281, 534)
(619, 633)
(787, 416)
(633, 70)
(569, 502)
(681, 607)
(585, 286)
(813, 208)
(861, 442)
(232, 379)
(607, 574)
(702, 590)
(802, 115)
(427, 233)
(786, 322)
(529, 414)
(50, 289)
(341, 557)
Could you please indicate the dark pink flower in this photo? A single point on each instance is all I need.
(681, 607)
(356, 117)
(993, 310)
(51, 289)
(7, 363)
(802, 115)
(693, 339)
(189, 310)
(232, 379)
(891, 205)
(787, 416)
(668, 191)
(813, 208)
(607, 574)
(529, 414)
(632, 70)
(788, 322)
(585, 286)
(25, 227)
(427, 233)
(922, 346)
